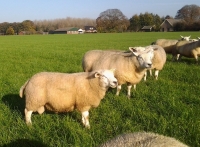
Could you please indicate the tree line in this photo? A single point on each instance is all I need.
(111, 20)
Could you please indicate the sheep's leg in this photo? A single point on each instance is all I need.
(175, 57)
(145, 75)
(119, 87)
(150, 71)
(196, 60)
(85, 119)
(156, 74)
(129, 86)
(178, 57)
(134, 86)
(40, 110)
(28, 116)
(196, 57)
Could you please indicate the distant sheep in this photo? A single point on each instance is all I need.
(188, 49)
(130, 66)
(62, 92)
(186, 38)
(169, 45)
(143, 139)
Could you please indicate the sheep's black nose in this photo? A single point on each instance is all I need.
(149, 65)
(115, 82)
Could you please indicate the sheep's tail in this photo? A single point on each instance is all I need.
(21, 91)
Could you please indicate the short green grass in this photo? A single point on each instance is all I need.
(169, 106)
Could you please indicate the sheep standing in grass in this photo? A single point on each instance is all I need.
(158, 60)
(61, 92)
(130, 67)
(188, 49)
(143, 139)
(169, 45)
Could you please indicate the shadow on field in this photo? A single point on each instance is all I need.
(25, 143)
(188, 61)
(14, 102)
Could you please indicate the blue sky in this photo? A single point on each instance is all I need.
(20, 10)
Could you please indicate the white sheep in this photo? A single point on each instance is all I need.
(143, 139)
(62, 92)
(188, 49)
(186, 38)
(169, 45)
(158, 60)
(130, 66)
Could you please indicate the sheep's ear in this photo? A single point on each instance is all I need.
(181, 36)
(97, 74)
(133, 50)
(155, 48)
(189, 36)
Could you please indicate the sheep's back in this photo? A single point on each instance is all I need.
(141, 139)
(185, 48)
(123, 63)
(167, 44)
(93, 56)
(89, 58)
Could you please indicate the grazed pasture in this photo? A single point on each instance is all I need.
(169, 106)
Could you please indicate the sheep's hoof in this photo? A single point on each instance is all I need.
(29, 124)
(87, 126)
(128, 96)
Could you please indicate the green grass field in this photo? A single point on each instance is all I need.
(169, 106)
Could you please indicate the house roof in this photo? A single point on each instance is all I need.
(73, 29)
(172, 21)
(67, 29)
(90, 28)
(147, 27)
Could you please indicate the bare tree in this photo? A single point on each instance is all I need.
(48, 25)
(112, 20)
(190, 13)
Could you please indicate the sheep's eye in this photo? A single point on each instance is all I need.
(139, 58)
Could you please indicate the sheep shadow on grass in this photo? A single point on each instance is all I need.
(188, 61)
(25, 143)
(14, 102)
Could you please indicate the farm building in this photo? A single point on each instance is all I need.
(81, 31)
(70, 30)
(90, 29)
(168, 24)
(147, 28)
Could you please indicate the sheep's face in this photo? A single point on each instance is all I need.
(107, 78)
(144, 57)
(186, 38)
